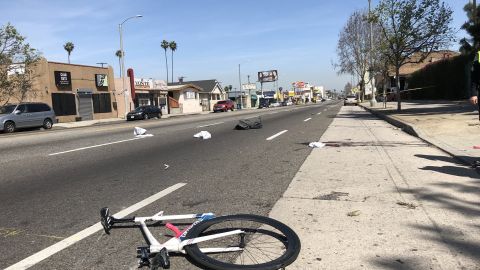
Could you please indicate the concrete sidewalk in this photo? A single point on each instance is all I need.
(378, 198)
(453, 126)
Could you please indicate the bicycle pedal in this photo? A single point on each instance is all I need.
(143, 253)
(161, 259)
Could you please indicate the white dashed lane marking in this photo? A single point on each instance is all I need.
(93, 146)
(65, 243)
(209, 125)
(276, 135)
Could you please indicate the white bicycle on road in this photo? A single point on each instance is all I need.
(246, 242)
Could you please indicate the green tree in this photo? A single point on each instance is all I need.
(165, 45)
(472, 27)
(412, 27)
(17, 63)
(69, 46)
(118, 54)
(173, 48)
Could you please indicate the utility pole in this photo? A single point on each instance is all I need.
(474, 3)
(240, 82)
(373, 101)
(101, 63)
(249, 92)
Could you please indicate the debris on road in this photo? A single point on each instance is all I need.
(203, 134)
(408, 205)
(354, 213)
(316, 144)
(246, 124)
(141, 132)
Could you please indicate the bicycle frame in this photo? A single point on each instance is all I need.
(177, 243)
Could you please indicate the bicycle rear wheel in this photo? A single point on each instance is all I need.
(266, 244)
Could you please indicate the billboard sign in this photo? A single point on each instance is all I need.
(249, 86)
(267, 76)
(298, 84)
(101, 80)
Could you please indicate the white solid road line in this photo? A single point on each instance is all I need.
(93, 146)
(308, 119)
(51, 250)
(276, 135)
(208, 125)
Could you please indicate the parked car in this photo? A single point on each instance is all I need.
(350, 100)
(26, 115)
(144, 112)
(223, 106)
(264, 103)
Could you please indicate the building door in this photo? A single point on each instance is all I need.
(205, 105)
(85, 106)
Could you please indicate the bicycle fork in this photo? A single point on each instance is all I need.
(160, 259)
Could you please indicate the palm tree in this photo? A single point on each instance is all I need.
(165, 46)
(173, 47)
(69, 48)
(119, 55)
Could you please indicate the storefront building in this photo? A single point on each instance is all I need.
(75, 92)
(150, 92)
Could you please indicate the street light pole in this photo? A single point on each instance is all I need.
(122, 67)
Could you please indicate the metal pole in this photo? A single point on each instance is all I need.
(125, 92)
(124, 89)
(474, 21)
(240, 82)
(373, 101)
(249, 92)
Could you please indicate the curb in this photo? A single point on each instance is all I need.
(417, 132)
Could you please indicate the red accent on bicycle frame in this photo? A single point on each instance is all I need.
(132, 82)
(174, 229)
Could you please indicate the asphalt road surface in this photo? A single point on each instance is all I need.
(53, 184)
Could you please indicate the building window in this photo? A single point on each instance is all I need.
(64, 104)
(190, 95)
(101, 103)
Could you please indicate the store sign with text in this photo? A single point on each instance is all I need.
(101, 80)
(143, 84)
(63, 78)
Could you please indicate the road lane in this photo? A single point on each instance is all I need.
(235, 171)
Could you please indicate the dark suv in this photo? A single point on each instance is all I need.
(223, 106)
(144, 112)
(26, 115)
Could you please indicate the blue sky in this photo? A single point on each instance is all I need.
(298, 38)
